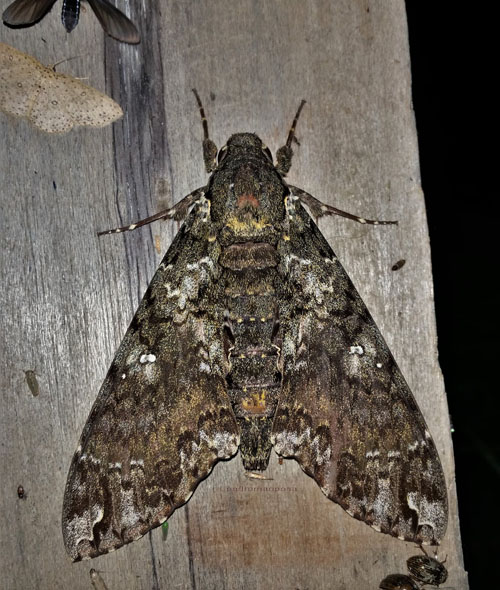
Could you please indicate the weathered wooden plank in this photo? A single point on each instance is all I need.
(67, 296)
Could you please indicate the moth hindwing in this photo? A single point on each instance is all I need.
(251, 335)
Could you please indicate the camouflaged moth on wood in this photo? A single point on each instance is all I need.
(251, 335)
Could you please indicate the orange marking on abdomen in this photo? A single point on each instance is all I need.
(248, 199)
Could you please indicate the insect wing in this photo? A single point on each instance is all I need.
(162, 417)
(346, 413)
(53, 102)
(64, 102)
(26, 12)
(114, 22)
(20, 76)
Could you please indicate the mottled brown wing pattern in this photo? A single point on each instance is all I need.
(162, 418)
(346, 413)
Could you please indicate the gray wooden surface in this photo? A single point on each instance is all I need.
(67, 297)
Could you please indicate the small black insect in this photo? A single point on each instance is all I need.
(22, 13)
(427, 570)
(398, 582)
(251, 336)
(399, 264)
(21, 494)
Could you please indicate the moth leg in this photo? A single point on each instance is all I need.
(285, 153)
(209, 147)
(318, 209)
(177, 212)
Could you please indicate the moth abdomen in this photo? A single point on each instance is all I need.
(255, 446)
(249, 256)
(250, 278)
(254, 378)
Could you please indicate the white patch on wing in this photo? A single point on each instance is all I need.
(206, 260)
(147, 358)
(129, 514)
(384, 501)
(204, 367)
(321, 457)
(286, 443)
(90, 458)
(356, 350)
(224, 442)
(80, 528)
(429, 513)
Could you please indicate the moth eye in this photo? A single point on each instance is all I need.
(222, 154)
(267, 151)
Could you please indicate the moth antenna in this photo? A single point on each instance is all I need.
(284, 154)
(291, 133)
(204, 120)
(209, 147)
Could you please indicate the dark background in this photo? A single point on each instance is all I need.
(452, 51)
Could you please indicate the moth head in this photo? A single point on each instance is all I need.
(246, 145)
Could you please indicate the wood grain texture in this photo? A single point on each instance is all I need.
(67, 297)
